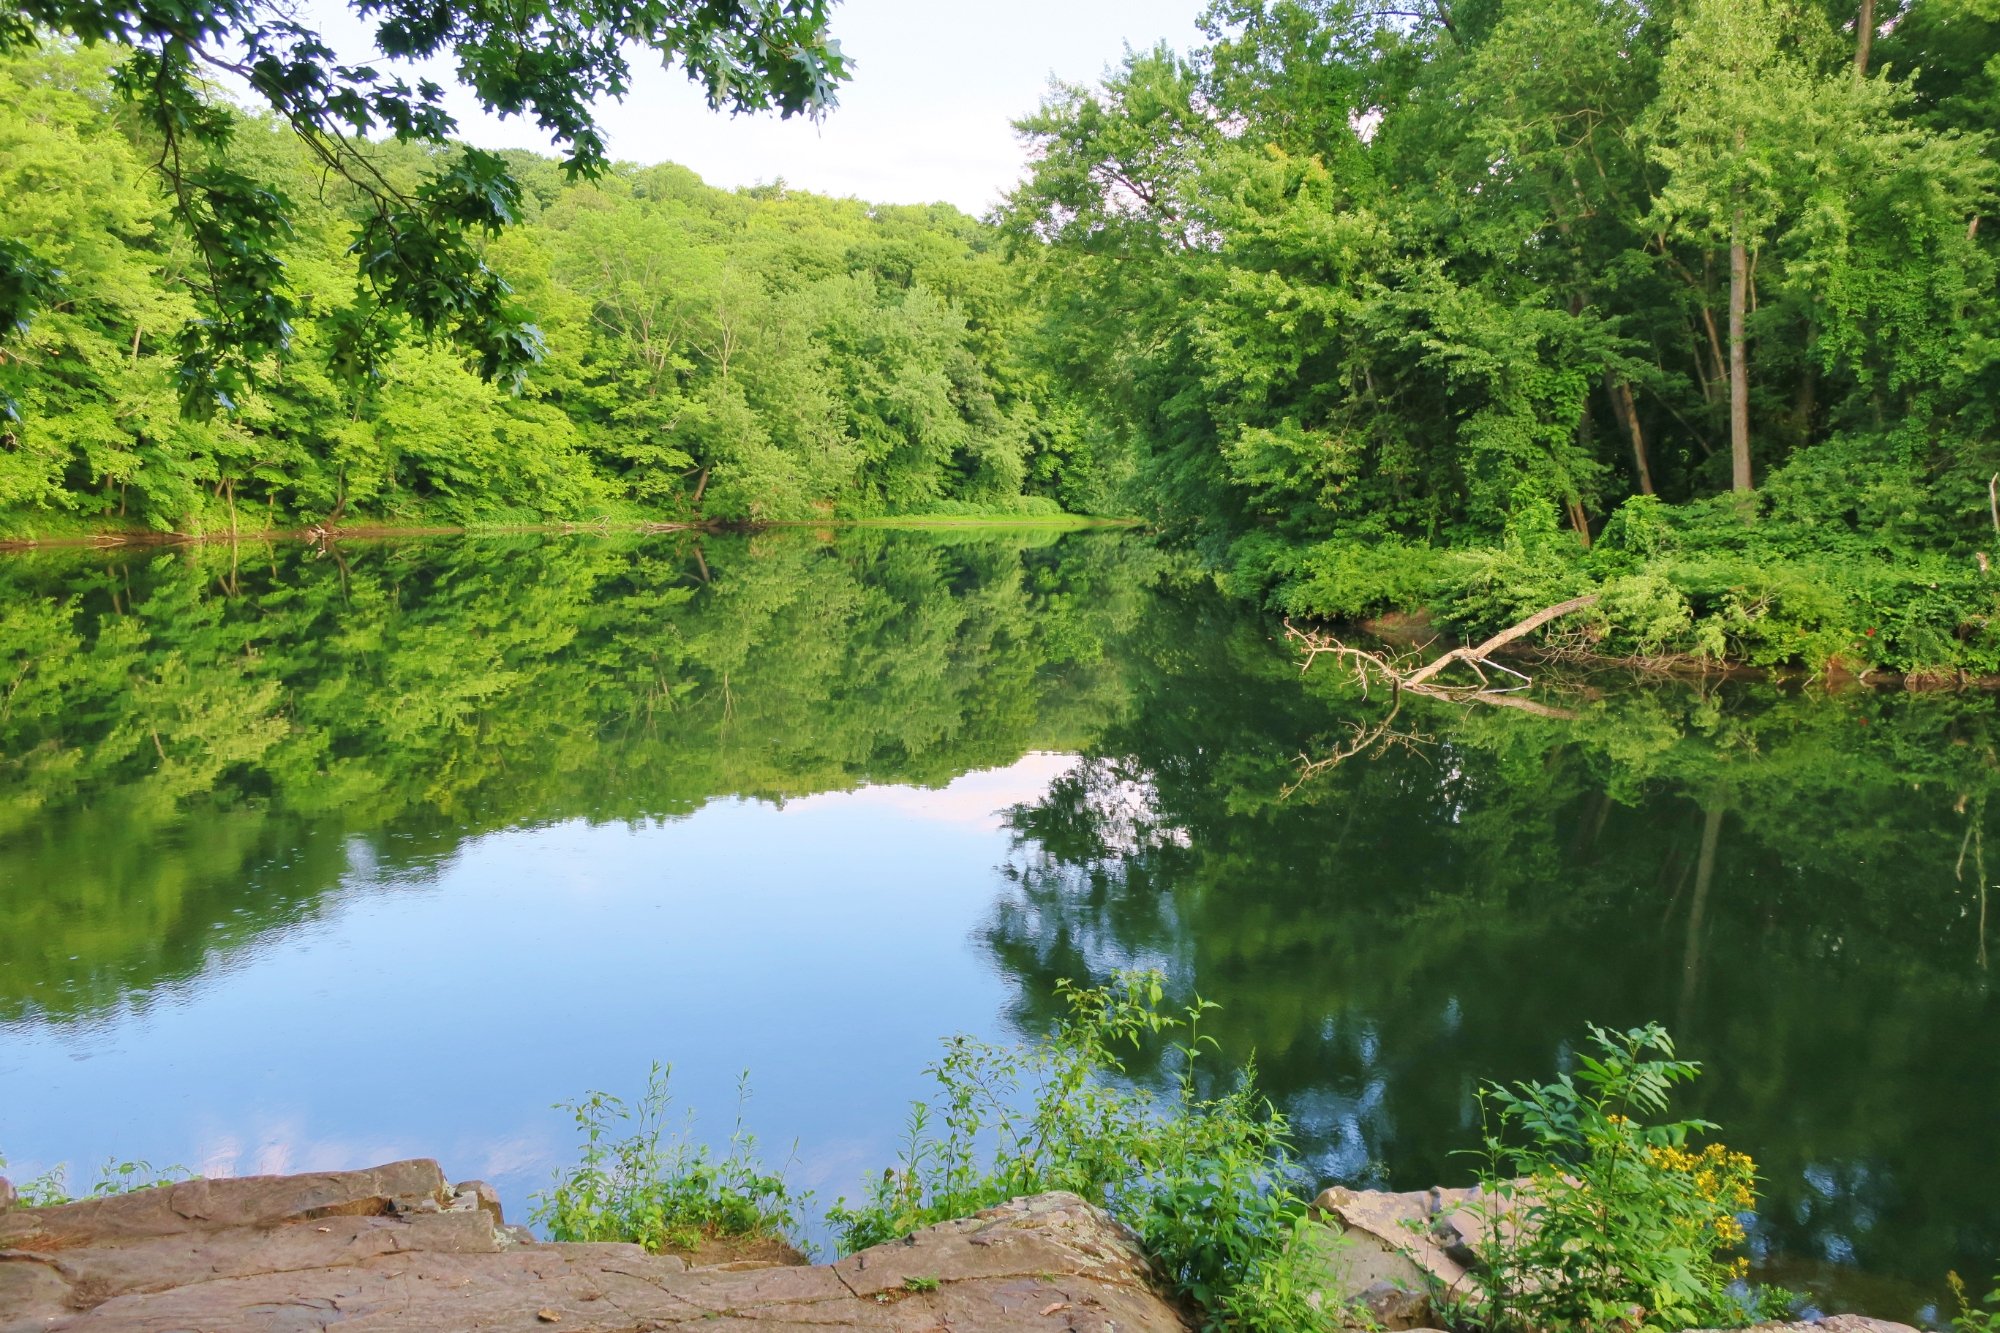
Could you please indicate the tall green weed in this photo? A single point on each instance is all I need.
(635, 1182)
(1203, 1181)
(1981, 1318)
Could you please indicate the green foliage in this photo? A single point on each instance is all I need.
(701, 355)
(1434, 278)
(1597, 1220)
(1349, 580)
(632, 1182)
(1689, 582)
(1981, 1318)
(418, 247)
(1202, 1180)
(114, 1177)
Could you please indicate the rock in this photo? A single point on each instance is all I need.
(1362, 1270)
(1437, 1231)
(392, 1249)
(475, 1194)
(1393, 1247)
(6, 1194)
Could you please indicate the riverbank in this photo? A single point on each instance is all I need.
(396, 1246)
(1694, 587)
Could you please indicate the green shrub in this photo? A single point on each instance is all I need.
(1621, 1224)
(1203, 1181)
(1640, 529)
(1642, 615)
(663, 1193)
(1351, 580)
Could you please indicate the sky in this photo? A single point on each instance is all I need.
(927, 116)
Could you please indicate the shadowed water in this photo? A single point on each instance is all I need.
(316, 859)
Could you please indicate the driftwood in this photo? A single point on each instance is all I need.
(1403, 675)
(1479, 654)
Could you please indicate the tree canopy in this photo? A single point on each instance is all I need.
(415, 248)
(1422, 274)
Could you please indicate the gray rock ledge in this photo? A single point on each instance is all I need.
(394, 1248)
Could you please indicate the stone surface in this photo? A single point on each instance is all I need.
(1361, 1270)
(394, 1249)
(1395, 1251)
(1426, 1240)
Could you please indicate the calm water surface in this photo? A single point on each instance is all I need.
(314, 860)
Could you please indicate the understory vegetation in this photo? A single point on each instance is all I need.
(1675, 584)
(114, 1177)
(1205, 1179)
(1597, 1219)
(1983, 1317)
(1593, 1218)
(660, 1190)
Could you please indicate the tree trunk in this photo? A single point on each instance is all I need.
(1806, 405)
(1739, 370)
(1627, 412)
(1579, 520)
(1864, 37)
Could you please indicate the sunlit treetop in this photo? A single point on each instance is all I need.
(417, 252)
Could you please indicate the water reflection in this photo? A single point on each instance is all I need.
(308, 860)
(1795, 884)
(194, 747)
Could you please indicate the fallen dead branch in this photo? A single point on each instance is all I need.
(1403, 675)
(1476, 655)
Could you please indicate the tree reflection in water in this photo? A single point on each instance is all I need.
(1793, 880)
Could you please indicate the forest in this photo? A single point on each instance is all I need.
(751, 356)
(1462, 308)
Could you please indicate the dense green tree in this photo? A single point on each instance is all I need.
(416, 249)
(710, 356)
(1394, 278)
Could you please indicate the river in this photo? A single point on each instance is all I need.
(313, 858)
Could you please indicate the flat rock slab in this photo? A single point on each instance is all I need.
(396, 1248)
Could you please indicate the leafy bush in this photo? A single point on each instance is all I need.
(1203, 1181)
(1350, 580)
(660, 1192)
(1600, 1221)
(1642, 615)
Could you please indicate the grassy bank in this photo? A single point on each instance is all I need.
(1703, 584)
